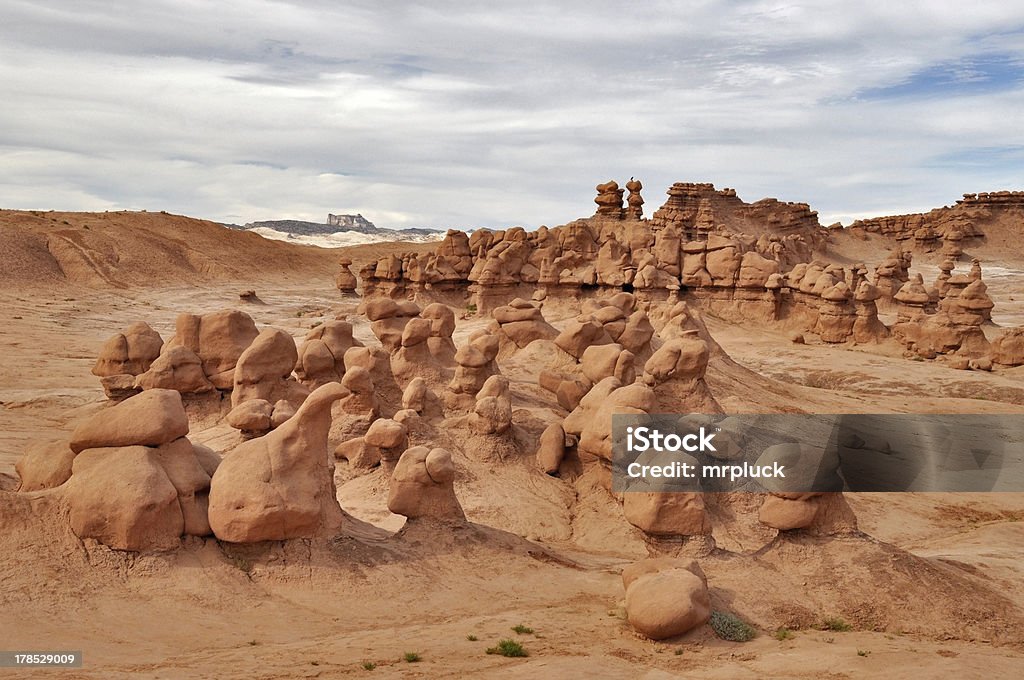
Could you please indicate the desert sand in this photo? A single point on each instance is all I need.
(930, 585)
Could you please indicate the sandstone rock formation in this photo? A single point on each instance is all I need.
(151, 418)
(161, 484)
(383, 444)
(321, 358)
(44, 465)
(476, 363)
(520, 322)
(551, 449)
(650, 611)
(281, 485)
(422, 485)
(345, 281)
(264, 370)
(130, 352)
(218, 339)
(179, 369)
(493, 411)
(1008, 349)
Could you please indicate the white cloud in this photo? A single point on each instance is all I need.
(466, 114)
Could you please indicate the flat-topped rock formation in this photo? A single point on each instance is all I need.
(970, 219)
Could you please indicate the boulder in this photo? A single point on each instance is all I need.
(44, 466)
(551, 449)
(151, 418)
(658, 617)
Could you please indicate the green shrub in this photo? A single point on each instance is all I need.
(522, 630)
(784, 634)
(508, 648)
(472, 638)
(731, 627)
(411, 657)
(837, 624)
(369, 665)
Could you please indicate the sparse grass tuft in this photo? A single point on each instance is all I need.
(369, 665)
(522, 630)
(411, 657)
(508, 648)
(836, 624)
(472, 638)
(731, 627)
(784, 634)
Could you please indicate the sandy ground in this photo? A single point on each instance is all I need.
(297, 610)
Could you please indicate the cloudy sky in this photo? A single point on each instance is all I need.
(489, 114)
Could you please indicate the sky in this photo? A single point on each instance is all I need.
(467, 114)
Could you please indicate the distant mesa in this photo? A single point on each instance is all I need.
(338, 230)
(349, 221)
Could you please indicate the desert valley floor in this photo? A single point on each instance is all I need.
(931, 584)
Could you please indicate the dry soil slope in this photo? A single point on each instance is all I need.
(136, 249)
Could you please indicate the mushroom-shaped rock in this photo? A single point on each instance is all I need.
(151, 418)
(476, 363)
(178, 368)
(493, 411)
(361, 397)
(130, 352)
(389, 438)
(280, 486)
(442, 325)
(321, 358)
(264, 367)
(422, 485)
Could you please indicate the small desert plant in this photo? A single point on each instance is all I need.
(472, 638)
(369, 665)
(784, 634)
(471, 308)
(253, 643)
(731, 627)
(522, 630)
(508, 648)
(837, 624)
(679, 651)
(411, 657)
